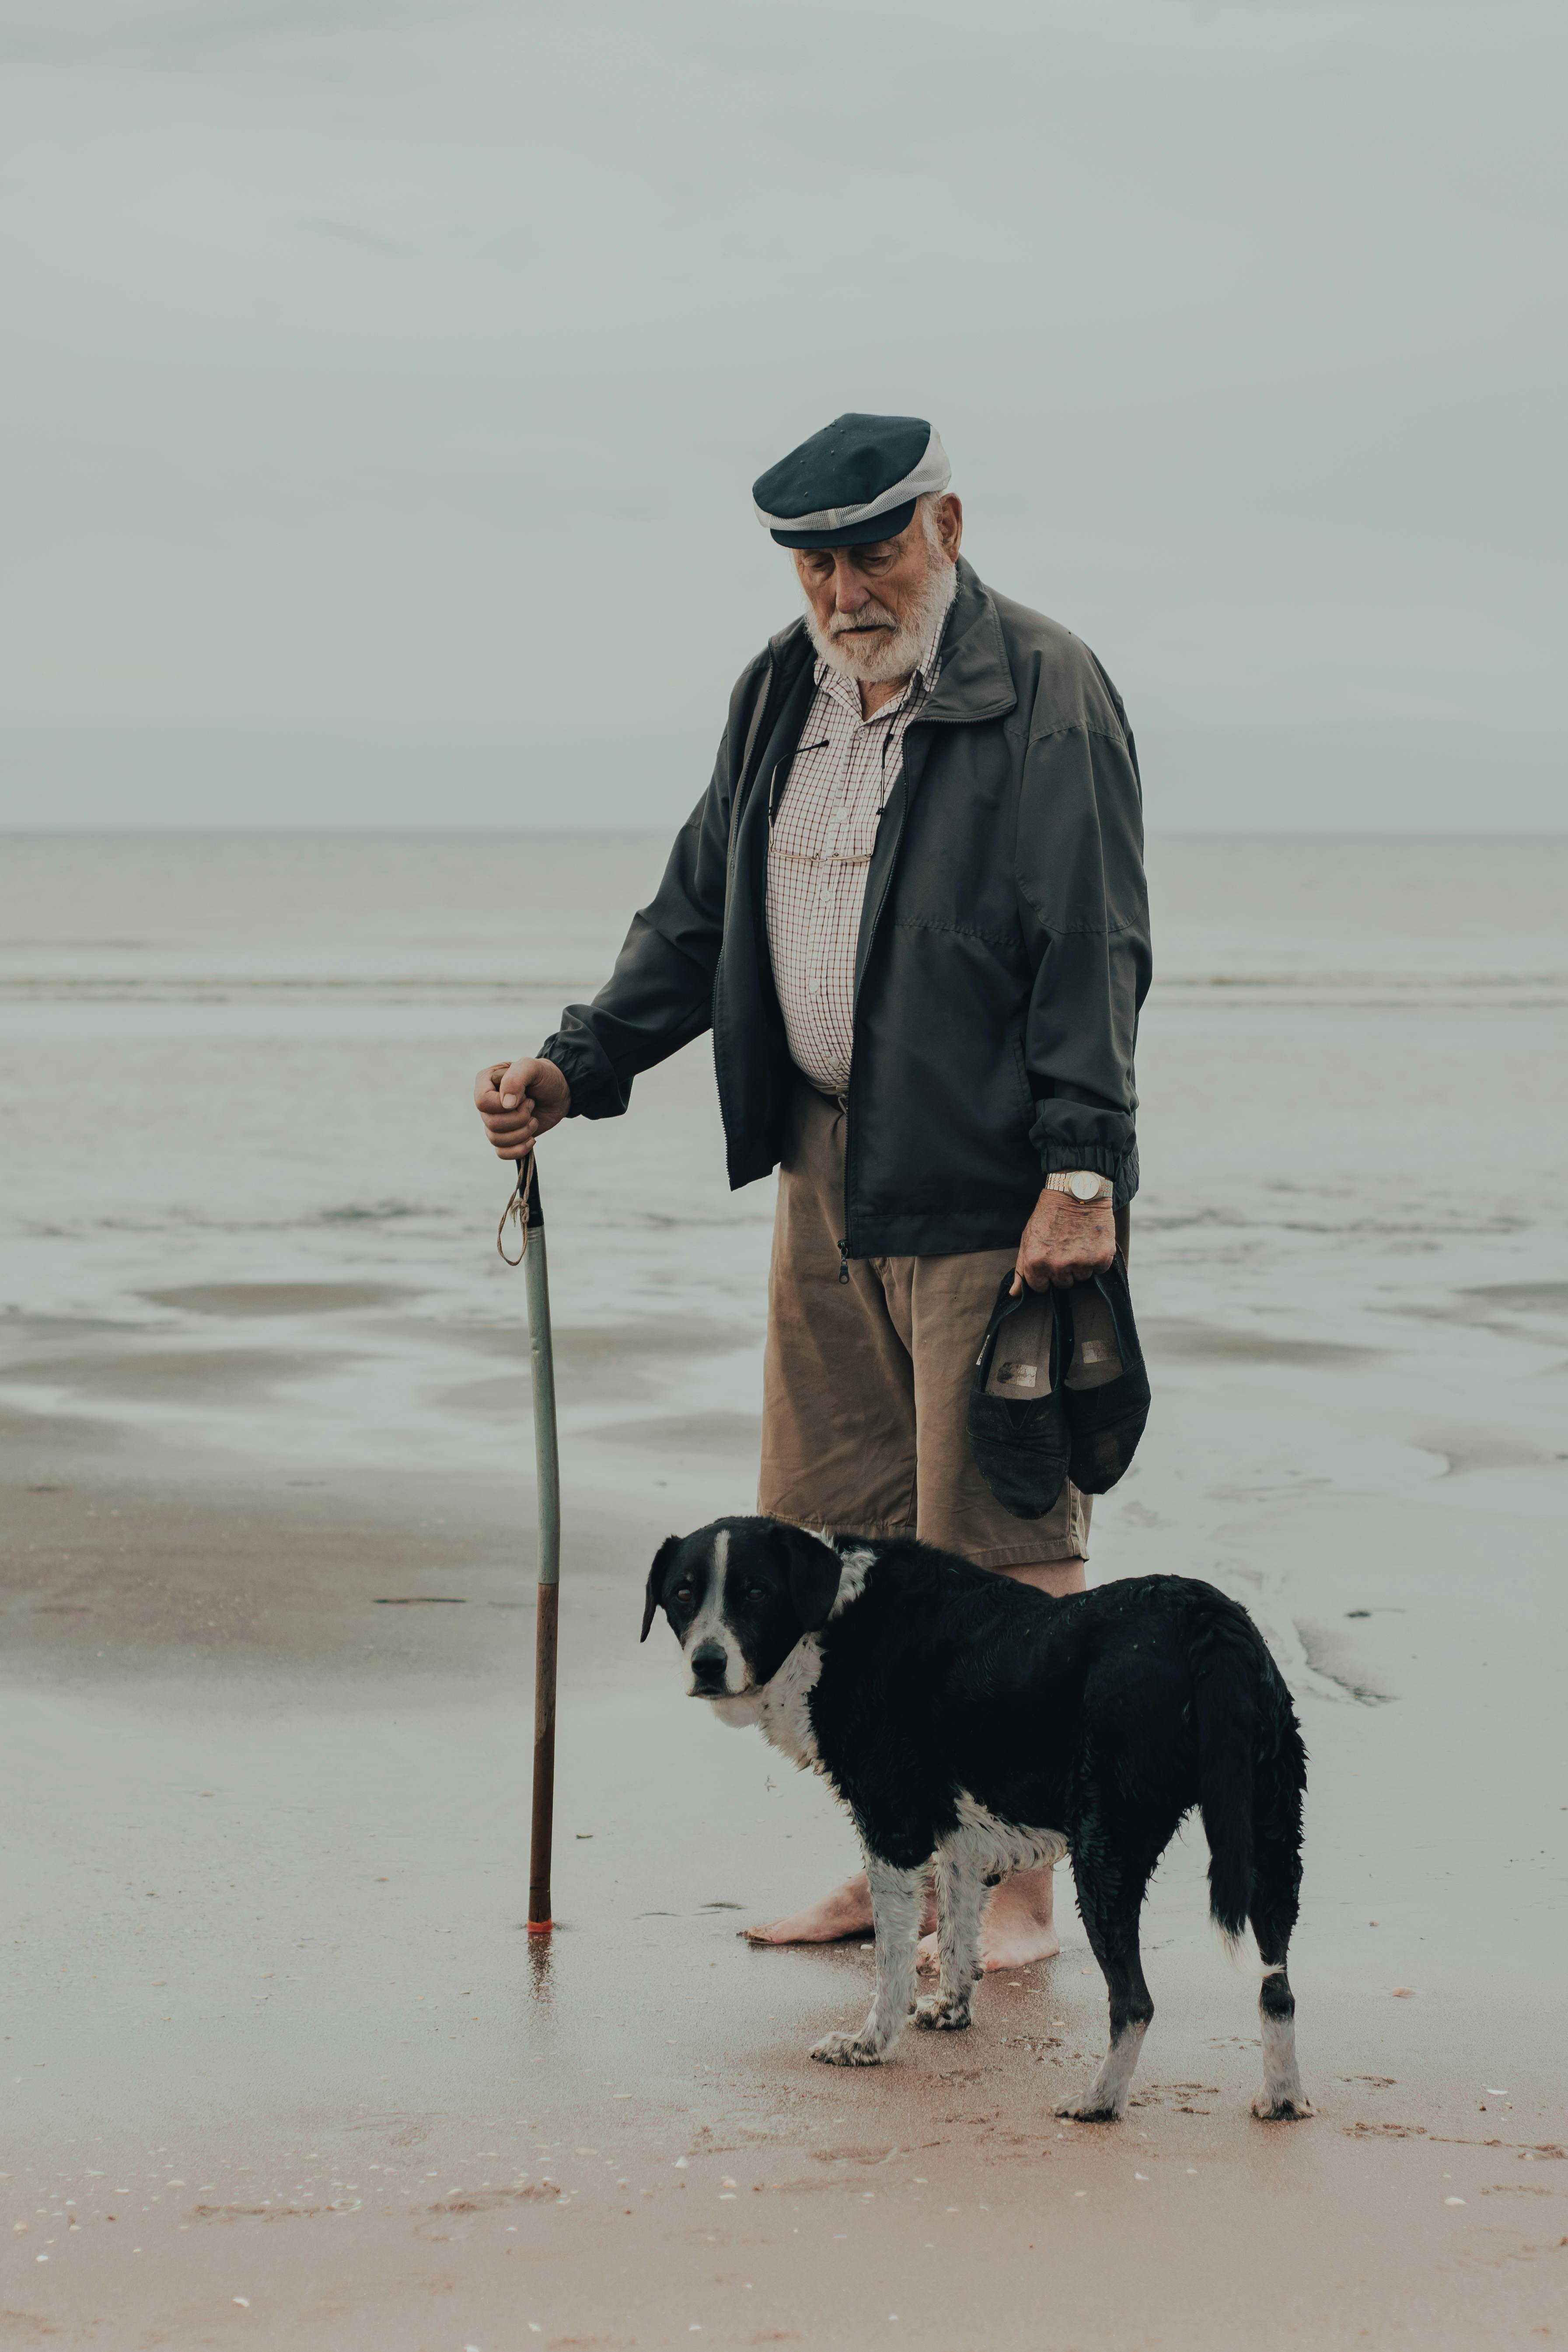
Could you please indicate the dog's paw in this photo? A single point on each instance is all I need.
(846, 2050)
(943, 2012)
(1092, 2110)
(1281, 2107)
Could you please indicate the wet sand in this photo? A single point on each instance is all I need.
(271, 2006)
(266, 1608)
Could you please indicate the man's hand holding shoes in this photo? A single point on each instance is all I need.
(1068, 1239)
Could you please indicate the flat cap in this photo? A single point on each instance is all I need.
(856, 480)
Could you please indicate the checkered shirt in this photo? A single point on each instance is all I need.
(819, 851)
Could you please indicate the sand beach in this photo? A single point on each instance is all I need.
(283, 2067)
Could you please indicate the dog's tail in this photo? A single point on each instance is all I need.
(1232, 1679)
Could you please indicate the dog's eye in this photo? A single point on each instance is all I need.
(681, 1592)
(756, 1592)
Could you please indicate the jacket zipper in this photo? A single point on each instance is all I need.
(844, 1238)
(876, 919)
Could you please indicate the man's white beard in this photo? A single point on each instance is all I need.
(883, 654)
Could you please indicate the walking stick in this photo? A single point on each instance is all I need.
(524, 1209)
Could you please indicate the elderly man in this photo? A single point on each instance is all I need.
(911, 906)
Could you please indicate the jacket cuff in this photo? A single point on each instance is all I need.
(1099, 1160)
(594, 1093)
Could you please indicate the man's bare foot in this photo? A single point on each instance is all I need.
(1017, 1929)
(846, 1912)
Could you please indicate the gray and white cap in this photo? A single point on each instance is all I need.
(856, 480)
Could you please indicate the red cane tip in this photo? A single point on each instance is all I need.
(540, 1927)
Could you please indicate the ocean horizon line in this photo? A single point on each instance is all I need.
(184, 989)
(663, 829)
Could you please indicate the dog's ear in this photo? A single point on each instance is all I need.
(661, 1560)
(813, 1568)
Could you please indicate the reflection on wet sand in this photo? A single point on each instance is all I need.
(1165, 1336)
(206, 1376)
(234, 1298)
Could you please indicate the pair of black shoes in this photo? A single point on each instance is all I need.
(1059, 1392)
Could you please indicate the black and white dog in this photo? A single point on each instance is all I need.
(961, 1715)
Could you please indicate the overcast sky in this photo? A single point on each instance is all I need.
(385, 380)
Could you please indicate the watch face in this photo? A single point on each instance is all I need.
(1083, 1187)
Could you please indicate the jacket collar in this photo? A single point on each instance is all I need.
(974, 682)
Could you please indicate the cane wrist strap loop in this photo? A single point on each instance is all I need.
(516, 1210)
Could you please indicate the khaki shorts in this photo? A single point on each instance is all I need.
(865, 1383)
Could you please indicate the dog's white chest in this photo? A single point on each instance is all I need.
(784, 1712)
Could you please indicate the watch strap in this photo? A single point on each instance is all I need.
(1076, 1182)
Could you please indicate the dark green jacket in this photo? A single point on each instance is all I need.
(1003, 954)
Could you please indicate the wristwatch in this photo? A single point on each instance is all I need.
(1081, 1183)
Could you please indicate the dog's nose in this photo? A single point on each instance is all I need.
(710, 1663)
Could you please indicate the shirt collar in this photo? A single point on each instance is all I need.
(927, 669)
